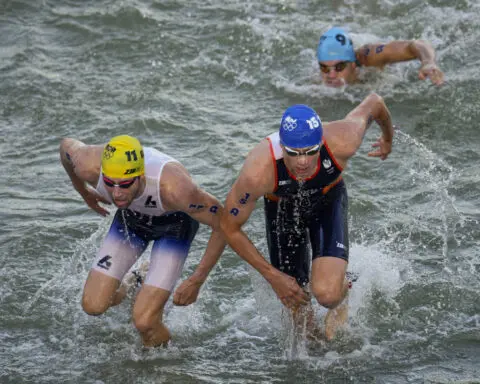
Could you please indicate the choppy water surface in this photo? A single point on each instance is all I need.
(205, 81)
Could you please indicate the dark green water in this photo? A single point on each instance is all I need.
(204, 82)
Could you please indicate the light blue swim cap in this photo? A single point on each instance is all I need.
(335, 44)
(300, 127)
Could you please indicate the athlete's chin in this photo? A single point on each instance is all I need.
(302, 173)
(121, 204)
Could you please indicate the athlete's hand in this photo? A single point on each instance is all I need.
(384, 148)
(431, 71)
(187, 292)
(288, 291)
(92, 198)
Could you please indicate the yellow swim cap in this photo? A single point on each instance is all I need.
(123, 158)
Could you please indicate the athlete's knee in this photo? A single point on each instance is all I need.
(327, 296)
(146, 321)
(94, 306)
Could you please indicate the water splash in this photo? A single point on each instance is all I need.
(435, 176)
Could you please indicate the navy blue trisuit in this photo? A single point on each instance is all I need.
(298, 213)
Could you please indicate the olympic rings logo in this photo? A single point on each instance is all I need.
(289, 124)
(108, 152)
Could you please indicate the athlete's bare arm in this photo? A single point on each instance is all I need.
(181, 193)
(82, 164)
(378, 55)
(255, 180)
(345, 136)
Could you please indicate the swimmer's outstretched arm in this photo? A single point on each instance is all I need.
(379, 55)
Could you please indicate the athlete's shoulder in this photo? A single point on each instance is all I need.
(258, 169)
(259, 155)
(79, 148)
(175, 172)
(370, 54)
(85, 159)
(334, 128)
(177, 186)
(338, 135)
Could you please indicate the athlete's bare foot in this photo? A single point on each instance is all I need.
(335, 319)
(338, 316)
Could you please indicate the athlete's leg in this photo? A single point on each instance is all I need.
(329, 237)
(330, 288)
(336, 318)
(148, 315)
(115, 257)
(329, 285)
(166, 264)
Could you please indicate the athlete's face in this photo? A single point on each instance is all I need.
(301, 162)
(337, 73)
(122, 191)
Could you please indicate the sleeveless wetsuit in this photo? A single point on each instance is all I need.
(314, 210)
(143, 221)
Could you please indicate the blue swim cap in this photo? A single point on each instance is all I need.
(300, 127)
(335, 45)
